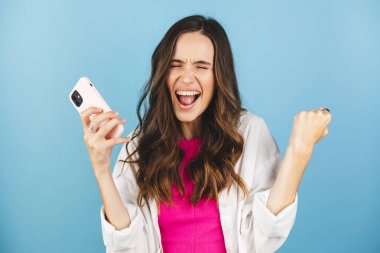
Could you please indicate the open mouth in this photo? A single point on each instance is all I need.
(187, 100)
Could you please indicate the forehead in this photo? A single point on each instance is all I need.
(194, 46)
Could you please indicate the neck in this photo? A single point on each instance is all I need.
(191, 129)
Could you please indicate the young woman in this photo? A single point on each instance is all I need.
(199, 173)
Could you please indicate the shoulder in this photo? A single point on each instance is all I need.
(250, 121)
(258, 138)
(259, 162)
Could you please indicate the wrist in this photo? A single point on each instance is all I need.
(100, 174)
(299, 155)
(301, 149)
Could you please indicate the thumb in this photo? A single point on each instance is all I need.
(326, 132)
(119, 140)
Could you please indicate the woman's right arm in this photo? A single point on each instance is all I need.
(99, 148)
(121, 219)
(115, 211)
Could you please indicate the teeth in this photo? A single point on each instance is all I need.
(187, 93)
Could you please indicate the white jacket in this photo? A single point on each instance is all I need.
(248, 225)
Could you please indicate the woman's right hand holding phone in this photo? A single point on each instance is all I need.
(99, 146)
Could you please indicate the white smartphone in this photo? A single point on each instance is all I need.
(85, 95)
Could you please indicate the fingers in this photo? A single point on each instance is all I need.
(98, 119)
(85, 115)
(106, 128)
(115, 141)
(326, 114)
(310, 126)
(320, 110)
(325, 117)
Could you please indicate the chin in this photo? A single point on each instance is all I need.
(187, 117)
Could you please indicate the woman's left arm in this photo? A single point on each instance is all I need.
(308, 128)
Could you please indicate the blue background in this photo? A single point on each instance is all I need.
(290, 56)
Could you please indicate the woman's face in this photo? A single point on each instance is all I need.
(191, 78)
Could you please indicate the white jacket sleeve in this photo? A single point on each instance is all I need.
(134, 237)
(261, 230)
(271, 230)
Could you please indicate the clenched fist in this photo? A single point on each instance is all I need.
(308, 128)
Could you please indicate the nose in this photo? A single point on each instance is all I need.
(188, 77)
(188, 80)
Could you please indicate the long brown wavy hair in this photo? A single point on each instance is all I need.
(159, 155)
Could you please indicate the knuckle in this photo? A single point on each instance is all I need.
(301, 114)
(87, 110)
(111, 113)
(111, 124)
(114, 121)
(90, 144)
(82, 115)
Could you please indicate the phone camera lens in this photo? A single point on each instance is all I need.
(77, 98)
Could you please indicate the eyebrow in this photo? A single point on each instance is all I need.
(197, 62)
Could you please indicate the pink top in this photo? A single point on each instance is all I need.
(185, 228)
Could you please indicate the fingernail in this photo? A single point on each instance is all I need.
(122, 120)
(116, 113)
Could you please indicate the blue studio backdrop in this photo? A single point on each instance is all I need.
(290, 56)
